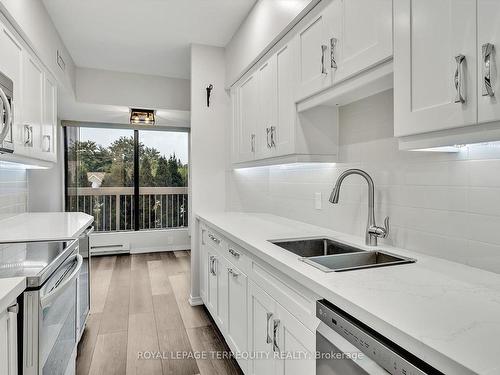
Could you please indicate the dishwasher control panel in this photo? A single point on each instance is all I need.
(384, 352)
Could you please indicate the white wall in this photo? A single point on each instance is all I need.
(265, 24)
(132, 90)
(35, 25)
(446, 205)
(208, 141)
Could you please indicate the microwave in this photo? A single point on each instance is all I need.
(6, 114)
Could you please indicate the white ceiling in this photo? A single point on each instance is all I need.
(144, 36)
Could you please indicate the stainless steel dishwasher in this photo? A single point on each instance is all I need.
(346, 346)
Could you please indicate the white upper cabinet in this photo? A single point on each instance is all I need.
(11, 62)
(34, 128)
(32, 117)
(346, 38)
(488, 44)
(267, 115)
(283, 136)
(435, 79)
(247, 119)
(360, 34)
(313, 53)
(49, 125)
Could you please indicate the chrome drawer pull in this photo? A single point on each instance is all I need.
(276, 327)
(234, 253)
(333, 45)
(233, 272)
(269, 339)
(459, 79)
(323, 51)
(488, 61)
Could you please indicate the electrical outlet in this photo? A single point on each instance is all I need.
(318, 201)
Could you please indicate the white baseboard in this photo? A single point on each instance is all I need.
(195, 301)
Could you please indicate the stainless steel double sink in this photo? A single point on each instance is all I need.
(332, 256)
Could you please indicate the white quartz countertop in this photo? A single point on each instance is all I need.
(43, 226)
(10, 288)
(443, 312)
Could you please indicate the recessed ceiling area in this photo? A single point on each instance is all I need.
(144, 36)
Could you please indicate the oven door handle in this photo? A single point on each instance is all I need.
(49, 297)
(8, 113)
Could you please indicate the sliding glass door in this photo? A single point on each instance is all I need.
(110, 172)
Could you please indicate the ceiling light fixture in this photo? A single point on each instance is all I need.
(142, 116)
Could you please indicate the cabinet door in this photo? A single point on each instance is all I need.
(487, 51)
(32, 118)
(267, 96)
(237, 311)
(314, 70)
(361, 35)
(294, 339)
(48, 139)
(11, 65)
(212, 282)
(204, 263)
(261, 310)
(283, 136)
(248, 118)
(4, 343)
(432, 91)
(8, 342)
(222, 293)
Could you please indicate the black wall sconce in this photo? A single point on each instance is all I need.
(209, 92)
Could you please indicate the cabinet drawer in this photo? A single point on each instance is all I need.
(292, 296)
(216, 241)
(237, 255)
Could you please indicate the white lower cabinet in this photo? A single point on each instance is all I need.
(212, 282)
(249, 317)
(286, 346)
(261, 309)
(296, 343)
(8, 341)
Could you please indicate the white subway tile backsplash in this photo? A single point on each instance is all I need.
(442, 204)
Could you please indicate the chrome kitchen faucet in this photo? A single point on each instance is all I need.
(373, 232)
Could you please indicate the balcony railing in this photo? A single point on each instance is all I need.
(113, 207)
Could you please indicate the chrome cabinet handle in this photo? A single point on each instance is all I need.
(234, 253)
(28, 135)
(267, 137)
(460, 79)
(276, 326)
(269, 339)
(252, 142)
(213, 238)
(233, 272)
(13, 309)
(273, 143)
(212, 265)
(333, 45)
(8, 115)
(323, 51)
(46, 143)
(487, 50)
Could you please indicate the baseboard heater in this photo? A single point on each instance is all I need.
(110, 249)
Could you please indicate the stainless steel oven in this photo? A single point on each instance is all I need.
(6, 114)
(346, 346)
(47, 324)
(83, 284)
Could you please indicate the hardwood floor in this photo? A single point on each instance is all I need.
(140, 317)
